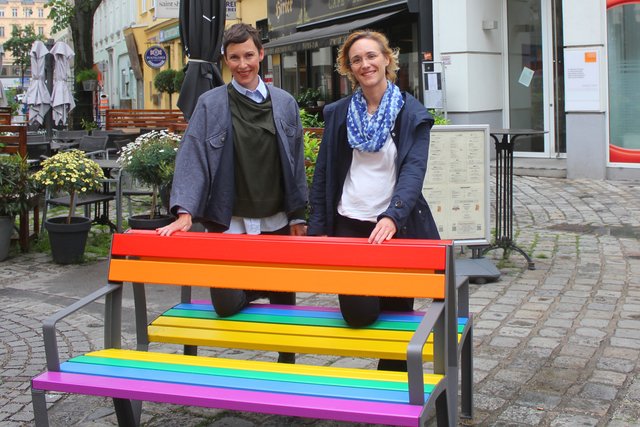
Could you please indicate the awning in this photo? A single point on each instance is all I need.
(332, 35)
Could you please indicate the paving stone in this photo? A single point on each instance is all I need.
(599, 391)
(523, 415)
(608, 377)
(565, 420)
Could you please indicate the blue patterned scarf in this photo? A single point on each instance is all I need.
(370, 133)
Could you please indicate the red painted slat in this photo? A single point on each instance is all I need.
(326, 251)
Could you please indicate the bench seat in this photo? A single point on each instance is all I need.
(343, 394)
(297, 329)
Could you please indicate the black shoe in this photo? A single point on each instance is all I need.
(287, 358)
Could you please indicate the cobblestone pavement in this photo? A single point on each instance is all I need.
(555, 346)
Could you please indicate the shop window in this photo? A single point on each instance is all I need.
(321, 69)
(290, 81)
(624, 74)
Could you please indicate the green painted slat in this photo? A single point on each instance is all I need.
(249, 374)
(288, 320)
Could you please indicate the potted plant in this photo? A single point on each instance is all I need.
(73, 173)
(150, 159)
(16, 186)
(88, 78)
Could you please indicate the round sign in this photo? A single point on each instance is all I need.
(155, 57)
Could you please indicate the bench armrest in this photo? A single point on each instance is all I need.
(462, 285)
(433, 320)
(112, 322)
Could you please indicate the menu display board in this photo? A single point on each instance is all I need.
(457, 182)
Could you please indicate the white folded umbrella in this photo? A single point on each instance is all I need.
(38, 98)
(61, 97)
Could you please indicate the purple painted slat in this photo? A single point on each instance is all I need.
(212, 397)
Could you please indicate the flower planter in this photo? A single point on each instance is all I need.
(143, 222)
(89, 85)
(6, 230)
(68, 241)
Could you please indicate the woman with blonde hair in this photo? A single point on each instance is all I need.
(371, 165)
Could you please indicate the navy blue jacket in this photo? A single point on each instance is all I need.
(408, 208)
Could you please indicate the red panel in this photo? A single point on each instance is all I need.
(325, 251)
(614, 3)
(623, 155)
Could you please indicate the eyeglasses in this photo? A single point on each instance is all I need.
(357, 61)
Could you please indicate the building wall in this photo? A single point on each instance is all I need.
(585, 27)
(110, 51)
(472, 55)
(37, 18)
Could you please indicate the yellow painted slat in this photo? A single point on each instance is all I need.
(323, 371)
(284, 329)
(286, 343)
(288, 279)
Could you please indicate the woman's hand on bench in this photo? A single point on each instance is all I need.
(183, 223)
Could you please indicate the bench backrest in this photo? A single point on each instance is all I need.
(121, 118)
(397, 268)
(15, 141)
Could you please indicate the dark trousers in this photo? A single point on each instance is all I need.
(227, 302)
(359, 311)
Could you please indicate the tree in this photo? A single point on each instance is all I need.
(20, 47)
(165, 82)
(79, 17)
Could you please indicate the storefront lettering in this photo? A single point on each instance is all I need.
(336, 4)
(283, 7)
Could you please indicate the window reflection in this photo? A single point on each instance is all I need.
(624, 74)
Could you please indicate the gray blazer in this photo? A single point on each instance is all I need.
(203, 182)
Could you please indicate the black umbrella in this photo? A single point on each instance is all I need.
(201, 28)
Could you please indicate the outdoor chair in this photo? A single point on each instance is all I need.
(130, 188)
(94, 146)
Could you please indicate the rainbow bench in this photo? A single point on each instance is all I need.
(408, 268)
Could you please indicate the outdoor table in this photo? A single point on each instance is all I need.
(63, 146)
(504, 141)
(108, 166)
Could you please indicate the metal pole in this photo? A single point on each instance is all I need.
(48, 75)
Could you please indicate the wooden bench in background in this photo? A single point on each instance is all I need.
(145, 119)
(13, 140)
(408, 268)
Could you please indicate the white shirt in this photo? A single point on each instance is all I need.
(370, 182)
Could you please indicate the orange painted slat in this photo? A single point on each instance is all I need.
(286, 279)
(326, 251)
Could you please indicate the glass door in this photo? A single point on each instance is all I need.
(535, 75)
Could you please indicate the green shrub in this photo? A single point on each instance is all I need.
(165, 80)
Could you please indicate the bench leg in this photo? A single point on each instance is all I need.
(128, 412)
(442, 410)
(466, 373)
(39, 408)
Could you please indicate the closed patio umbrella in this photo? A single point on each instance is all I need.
(38, 98)
(201, 28)
(3, 99)
(61, 98)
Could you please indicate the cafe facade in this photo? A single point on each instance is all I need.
(568, 67)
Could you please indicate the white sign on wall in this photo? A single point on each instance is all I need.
(231, 9)
(582, 75)
(167, 9)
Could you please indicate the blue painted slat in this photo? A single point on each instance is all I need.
(388, 396)
(400, 317)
